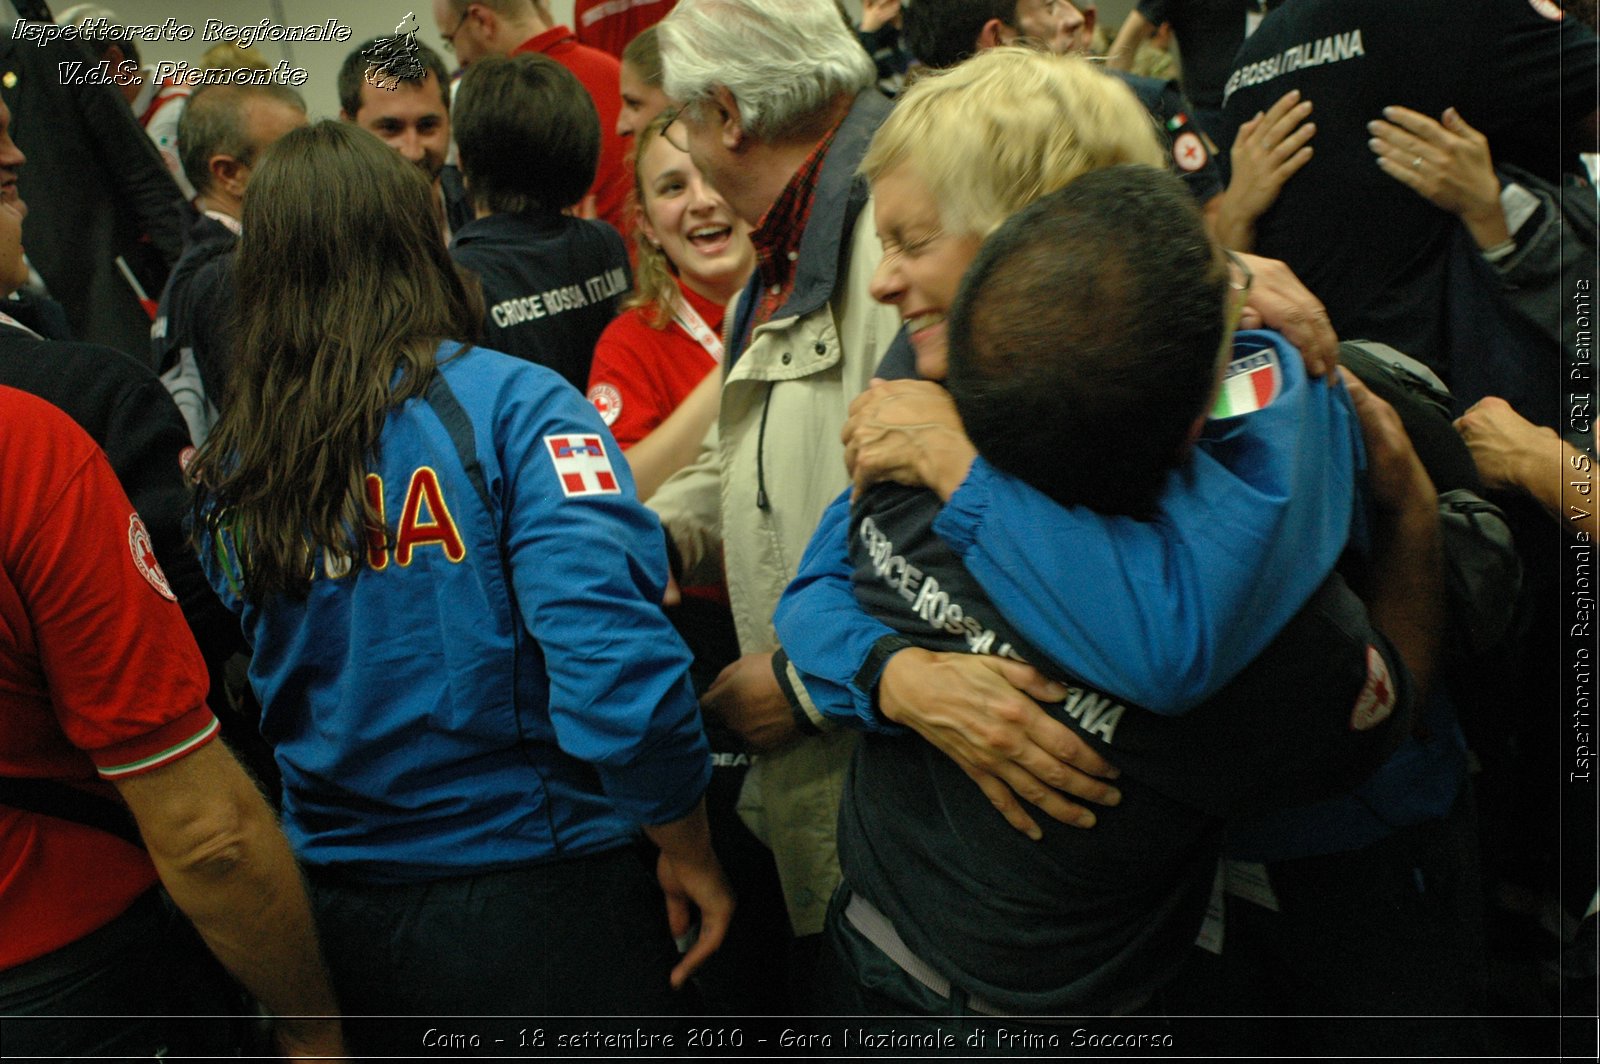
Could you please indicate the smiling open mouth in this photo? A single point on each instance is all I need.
(710, 238)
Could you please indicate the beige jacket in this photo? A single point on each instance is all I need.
(769, 467)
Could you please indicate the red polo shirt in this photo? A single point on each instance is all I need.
(99, 676)
(610, 24)
(600, 74)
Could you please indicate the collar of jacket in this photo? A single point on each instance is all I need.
(503, 227)
(840, 196)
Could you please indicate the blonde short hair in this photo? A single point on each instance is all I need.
(1007, 126)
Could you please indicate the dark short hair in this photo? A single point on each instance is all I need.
(941, 33)
(643, 53)
(1086, 336)
(527, 133)
(354, 71)
(213, 124)
(100, 40)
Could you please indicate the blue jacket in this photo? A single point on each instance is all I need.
(1242, 539)
(1245, 535)
(497, 686)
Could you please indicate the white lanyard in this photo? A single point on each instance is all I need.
(696, 326)
(6, 319)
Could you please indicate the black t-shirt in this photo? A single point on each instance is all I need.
(1377, 254)
(1191, 157)
(1209, 32)
(550, 285)
(1089, 921)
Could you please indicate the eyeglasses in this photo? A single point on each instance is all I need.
(682, 141)
(1240, 278)
(450, 38)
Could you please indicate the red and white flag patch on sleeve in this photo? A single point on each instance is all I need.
(1378, 696)
(582, 466)
(144, 558)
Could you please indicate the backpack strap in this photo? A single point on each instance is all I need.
(459, 428)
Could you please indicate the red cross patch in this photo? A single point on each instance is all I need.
(608, 401)
(1188, 151)
(144, 558)
(582, 466)
(1377, 698)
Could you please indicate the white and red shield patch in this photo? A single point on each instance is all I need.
(144, 558)
(582, 466)
(1377, 698)
(608, 401)
(1189, 151)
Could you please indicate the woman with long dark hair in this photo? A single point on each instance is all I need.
(452, 598)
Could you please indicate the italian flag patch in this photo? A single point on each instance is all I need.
(1249, 383)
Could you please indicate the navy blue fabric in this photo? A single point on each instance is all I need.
(585, 937)
(550, 285)
(142, 985)
(196, 306)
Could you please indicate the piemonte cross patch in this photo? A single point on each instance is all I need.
(1249, 383)
(582, 466)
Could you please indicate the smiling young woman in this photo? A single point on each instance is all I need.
(653, 377)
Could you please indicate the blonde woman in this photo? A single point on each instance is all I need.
(1084, 364)
(657, 368)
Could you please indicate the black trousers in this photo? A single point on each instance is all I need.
(142, 986)
(580, 937)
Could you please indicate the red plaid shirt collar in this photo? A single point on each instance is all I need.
(777, 237)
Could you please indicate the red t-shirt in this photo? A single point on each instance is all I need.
(600, 74)
(640, 374)
(610, 24)
(99, 675)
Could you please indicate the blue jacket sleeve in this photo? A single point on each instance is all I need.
(1166, 612)
(588, 564)
(827, 638)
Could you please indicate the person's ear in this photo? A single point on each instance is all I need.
(642, 220)
(730, 126)
(993, 35)
(228, 174)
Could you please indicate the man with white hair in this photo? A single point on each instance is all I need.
(777, 106)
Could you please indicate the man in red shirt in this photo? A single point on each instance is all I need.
(510, 27)
(102, 694)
